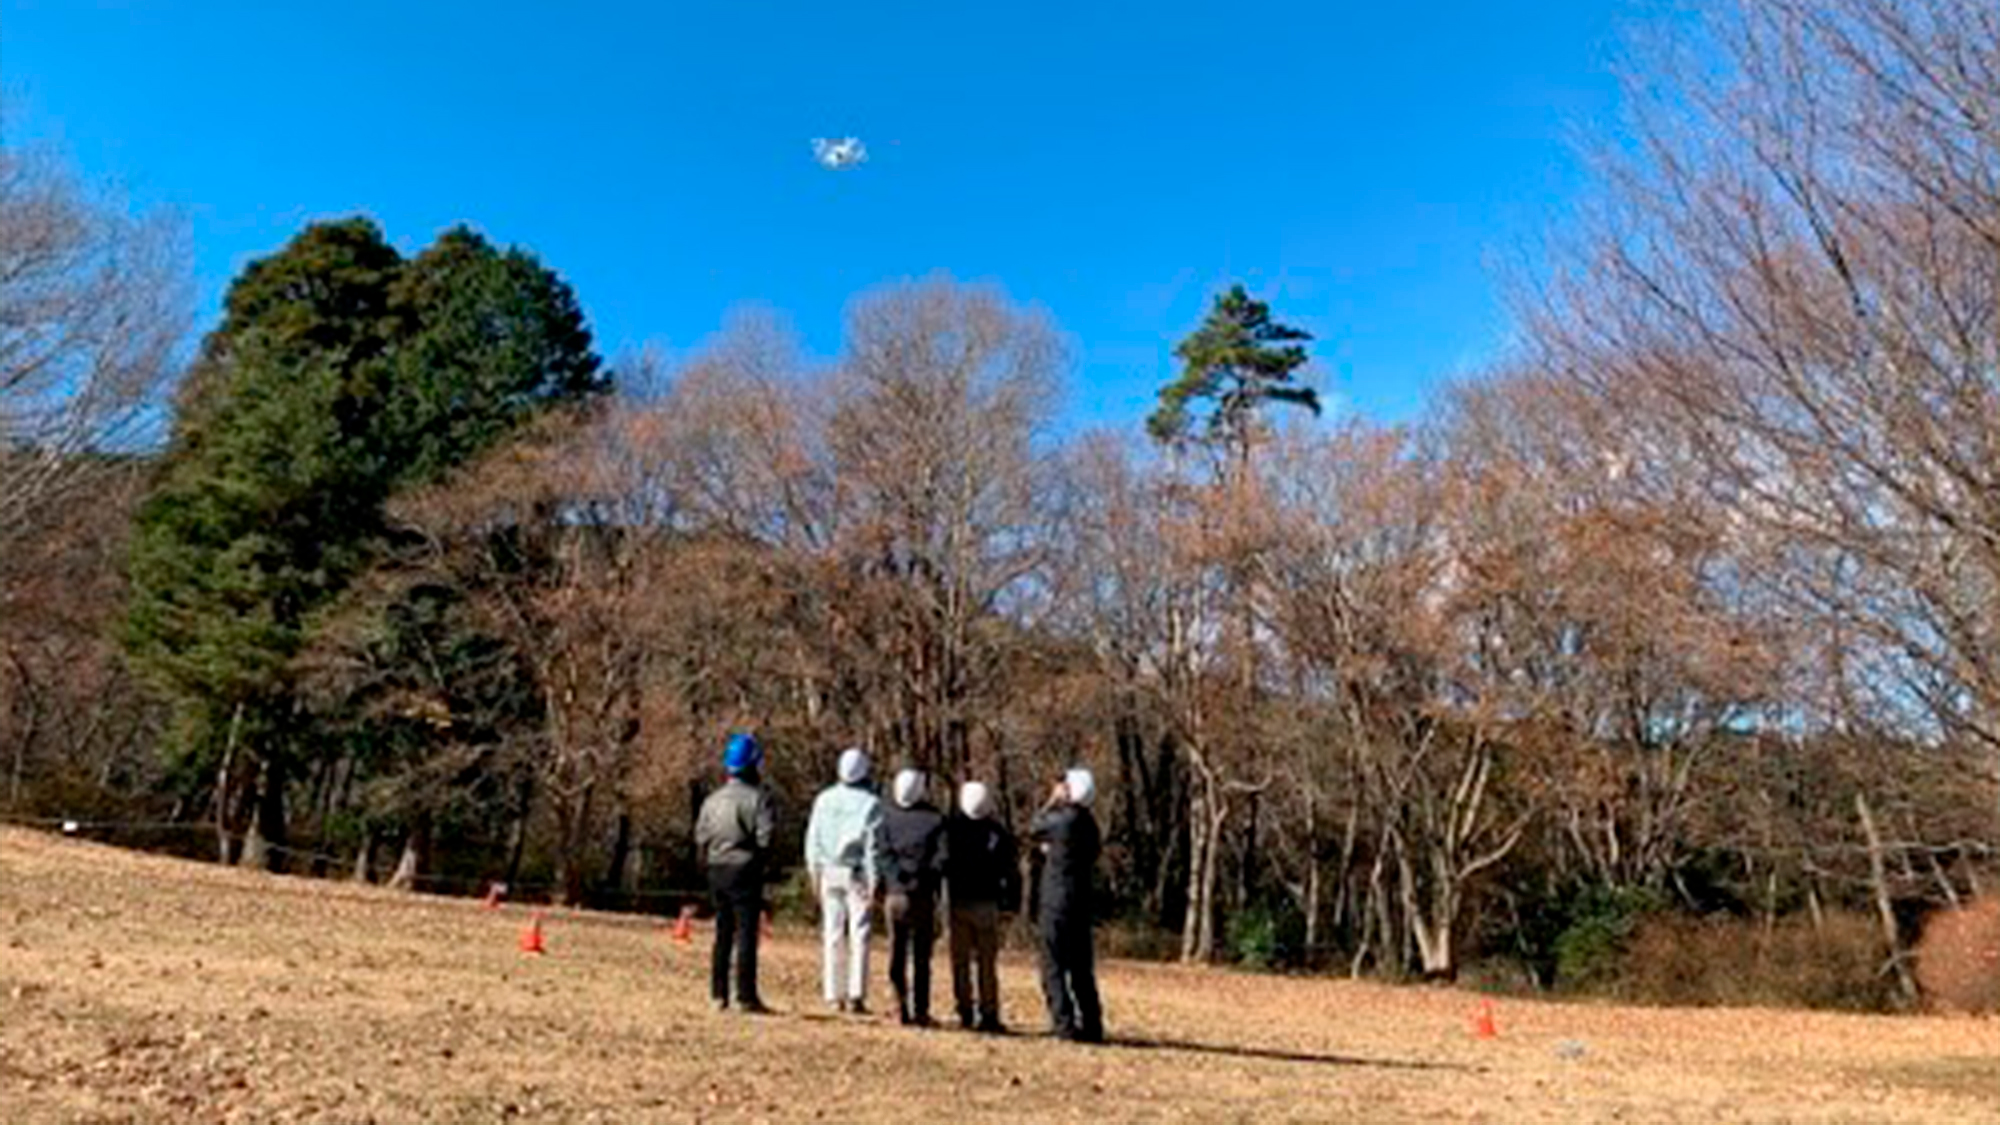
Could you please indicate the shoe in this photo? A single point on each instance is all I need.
(856, 1008)
(991, 1025)
(964, 1020)
(718, 1003)
(922, 1021)
(1093, 1036)
(839, 1007)
(753, 1008)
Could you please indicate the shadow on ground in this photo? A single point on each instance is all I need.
(1157, 1043)
(1268, 1054)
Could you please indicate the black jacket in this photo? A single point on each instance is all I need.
(915, 842)
(1070, 844)
(984, 864)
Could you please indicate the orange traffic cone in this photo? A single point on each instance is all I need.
(531, 938)
(684, 926)
(1483, 1026)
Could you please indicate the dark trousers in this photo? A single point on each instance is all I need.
(739, 904)
(975, 960)
(1069, 977)
(912, 935)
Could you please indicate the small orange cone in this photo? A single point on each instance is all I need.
(684, 926)
(531, 938)
(1483, 1026)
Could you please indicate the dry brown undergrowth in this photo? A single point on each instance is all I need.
(1958, 961)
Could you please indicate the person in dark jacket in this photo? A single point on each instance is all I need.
(914, 838)
(982, 882)
(1068, 837)
(733, 836)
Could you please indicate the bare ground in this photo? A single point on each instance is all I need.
(137, 988)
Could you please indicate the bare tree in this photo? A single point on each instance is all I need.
(529, 536)
(1791, 294)
(940, 437)
(93, 307)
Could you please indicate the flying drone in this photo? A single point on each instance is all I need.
(847, 152)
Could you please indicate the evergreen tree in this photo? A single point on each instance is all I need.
(1235, 363)
(339, 373)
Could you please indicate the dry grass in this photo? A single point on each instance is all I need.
(140, 988)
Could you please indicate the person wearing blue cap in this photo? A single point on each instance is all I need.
(733, 836)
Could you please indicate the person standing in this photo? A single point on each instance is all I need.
(733, 836)
(982, 882)
(914, 831)
(844, 855)
(1068, 836)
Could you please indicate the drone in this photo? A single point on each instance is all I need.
(847, 152)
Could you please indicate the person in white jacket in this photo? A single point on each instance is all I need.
(844, 853)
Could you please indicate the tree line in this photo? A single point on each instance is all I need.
(1686, 610)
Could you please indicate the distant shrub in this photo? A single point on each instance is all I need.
(1137, 941)
(1265, 935)
(1253, 938)
(1593, 944)
(1725, 960)
(1958, 960)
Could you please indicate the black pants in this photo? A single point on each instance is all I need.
(912, 935)
(739, 906)
(1069, 976)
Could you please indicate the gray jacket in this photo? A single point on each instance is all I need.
(735, 825)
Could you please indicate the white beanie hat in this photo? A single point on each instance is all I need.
(975, 800)
(853, 768)
(909, 787)
(1082, 786)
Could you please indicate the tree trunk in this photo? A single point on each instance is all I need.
(517, 833)
(416, 850)
(225, 790)
(1197, 934)
(256, 851)
(270, 823)
(1312, 910)
(364, 856)
(1878, 876)
(570, 839)
(621, 850)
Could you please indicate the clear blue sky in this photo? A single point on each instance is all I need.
(1356, 163)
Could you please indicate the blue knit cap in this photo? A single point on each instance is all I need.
(743, 754)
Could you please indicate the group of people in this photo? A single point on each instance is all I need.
(922, 865)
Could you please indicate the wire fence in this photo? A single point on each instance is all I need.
(127, 833)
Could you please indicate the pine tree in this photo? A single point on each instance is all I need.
(1234, 365)
(340, 372)
(1238, 361)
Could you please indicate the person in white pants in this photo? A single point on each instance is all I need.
(844, 853)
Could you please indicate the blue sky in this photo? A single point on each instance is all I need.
(1358, 164)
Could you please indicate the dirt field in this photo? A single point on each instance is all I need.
(140, 988)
